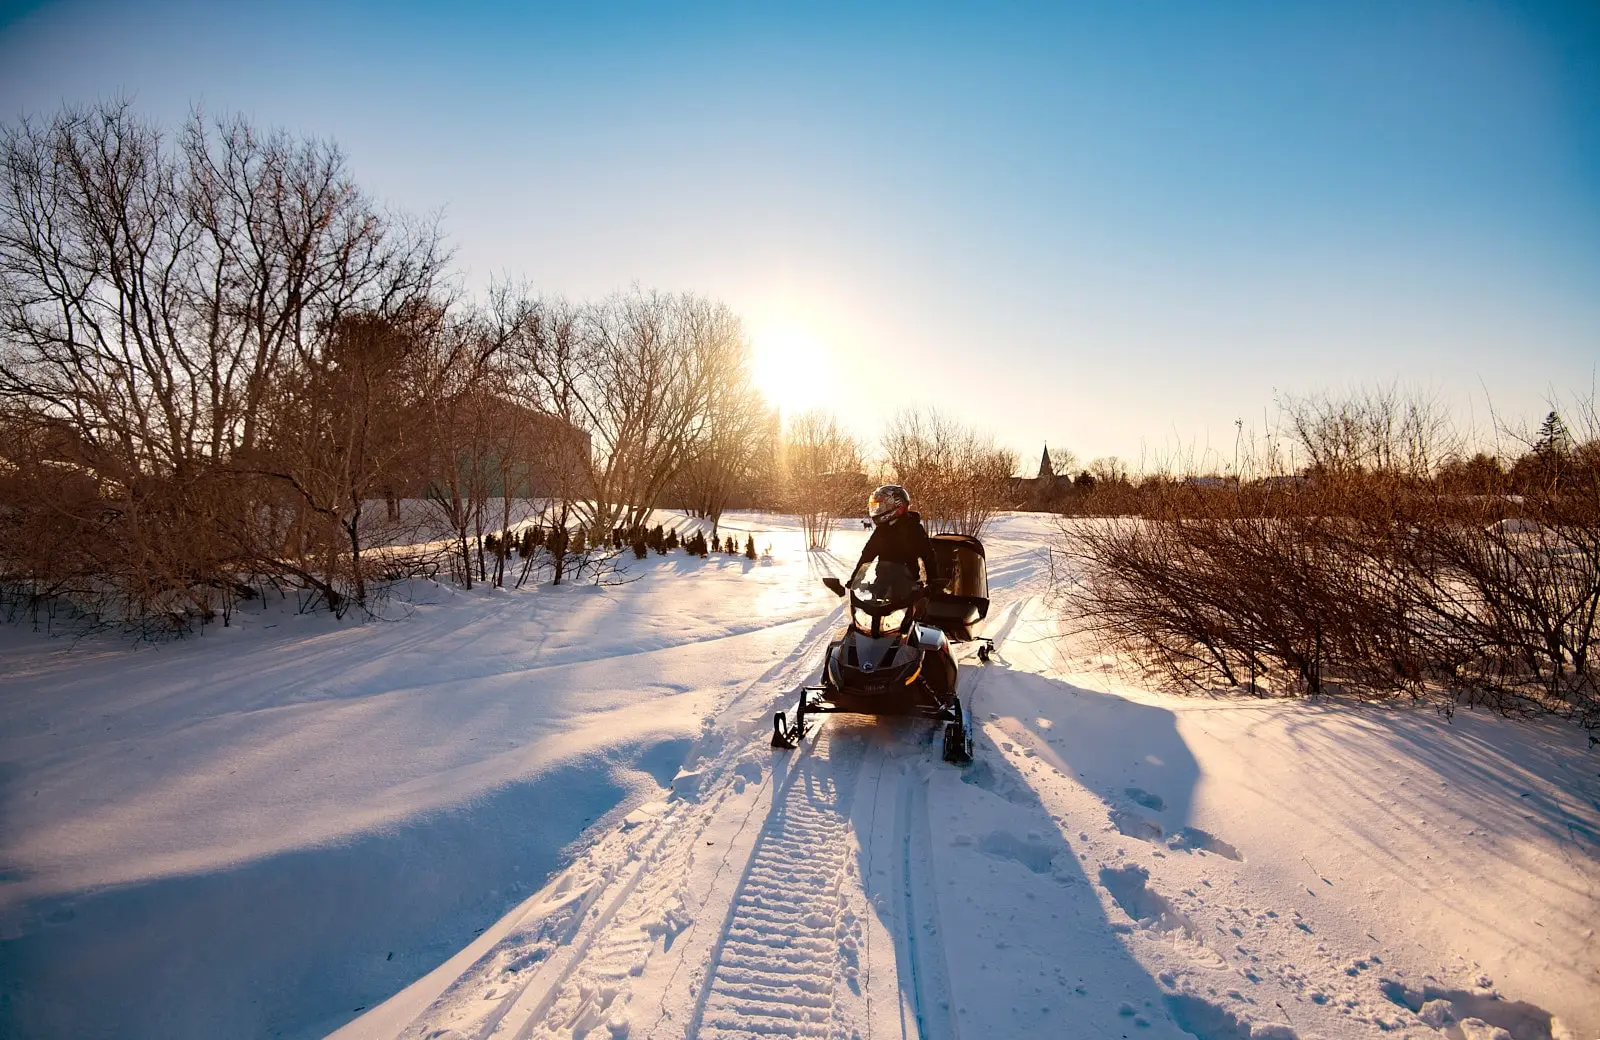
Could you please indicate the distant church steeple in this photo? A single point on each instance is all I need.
(1046, 471)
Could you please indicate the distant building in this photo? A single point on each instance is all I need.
(1042, 491)
(539, 455)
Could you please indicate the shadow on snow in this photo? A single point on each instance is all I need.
(997, 920)
(297, 943)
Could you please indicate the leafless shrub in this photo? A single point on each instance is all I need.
(1518, 609)
(1212, 592)
(1371, 573)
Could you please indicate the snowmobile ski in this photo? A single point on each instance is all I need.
(958, 736)
(790, 727)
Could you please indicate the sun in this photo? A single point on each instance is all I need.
(790, 364)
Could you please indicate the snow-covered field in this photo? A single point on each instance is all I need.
(554, 812)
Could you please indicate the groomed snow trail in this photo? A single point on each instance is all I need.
(792, 957)
(774, 971)
(577, 954)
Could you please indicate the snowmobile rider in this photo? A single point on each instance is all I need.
(897, 535)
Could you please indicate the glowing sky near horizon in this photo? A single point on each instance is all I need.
(1118, 228)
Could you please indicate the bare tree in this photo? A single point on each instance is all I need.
(456, 476)
(822, 467)
(340, 425)
(1108, 469)
(958, 476)
(642, 375)
(148, 292)
(1374, 430)
(736, 452)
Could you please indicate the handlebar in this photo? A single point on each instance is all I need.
(921, 588)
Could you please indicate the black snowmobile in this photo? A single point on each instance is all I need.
(895, 656)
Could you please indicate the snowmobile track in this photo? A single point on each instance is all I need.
(923, 946)
(918, 937)
(775, 966)
(572, 990)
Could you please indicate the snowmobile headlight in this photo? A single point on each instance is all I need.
(862, 619)
(893, 620)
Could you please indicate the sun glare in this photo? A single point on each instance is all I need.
(791, 365)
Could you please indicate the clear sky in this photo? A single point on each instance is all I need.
(1117, 227)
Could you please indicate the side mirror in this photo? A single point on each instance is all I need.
(834, 585)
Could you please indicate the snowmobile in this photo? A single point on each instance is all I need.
(895, 655)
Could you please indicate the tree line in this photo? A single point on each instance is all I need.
(224, 367)
(1319, 436)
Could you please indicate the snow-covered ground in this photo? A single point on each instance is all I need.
(554, 813)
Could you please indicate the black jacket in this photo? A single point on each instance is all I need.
(903, 541)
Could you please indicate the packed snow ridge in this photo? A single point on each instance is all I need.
(555, 812)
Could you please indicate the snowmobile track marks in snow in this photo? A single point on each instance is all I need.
(919, 924)
(651, 906)
(774, 970)
(919, 940)
(619, 921)
(521, 1012)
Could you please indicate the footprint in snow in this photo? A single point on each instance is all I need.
(1191, 838)
(1129, 887)
(1034, 855)
(982, 775)
(1135, 826)
(1472, 1014)
(1202, 1018)
(1150, 801)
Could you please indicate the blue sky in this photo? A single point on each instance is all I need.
(1118, 227)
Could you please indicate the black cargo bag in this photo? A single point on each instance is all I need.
(960, 558)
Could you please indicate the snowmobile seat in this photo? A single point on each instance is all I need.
(961, 561)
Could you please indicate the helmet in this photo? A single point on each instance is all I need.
(889, 502)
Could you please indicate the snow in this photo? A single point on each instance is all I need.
(554, 812)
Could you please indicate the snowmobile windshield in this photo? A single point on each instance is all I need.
(880, 587)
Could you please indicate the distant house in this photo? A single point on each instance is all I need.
(539, 455)
(53, 449)
(548, 456)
